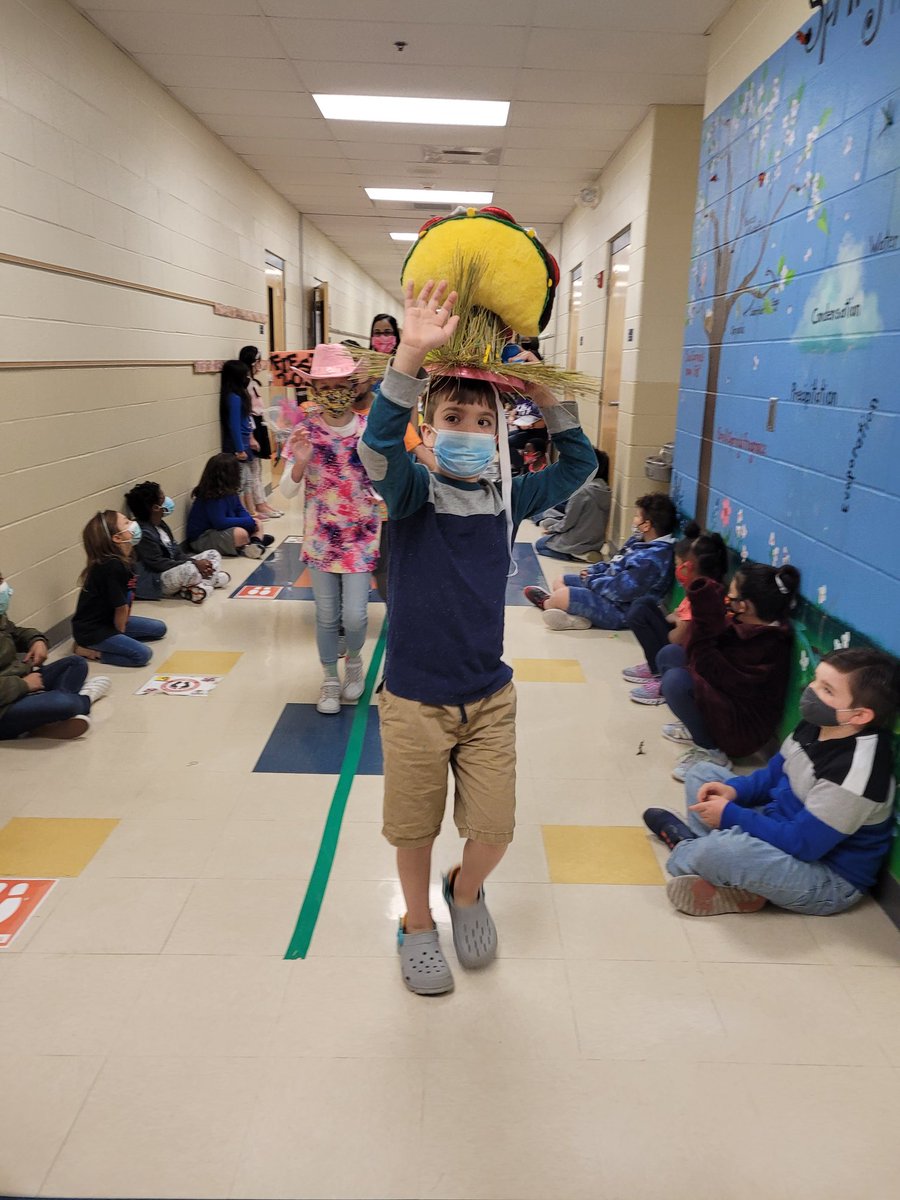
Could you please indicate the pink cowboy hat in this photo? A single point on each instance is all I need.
(330, 362)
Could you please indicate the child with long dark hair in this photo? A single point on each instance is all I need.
(697, 556)
(236, 420)
(250, 356)
(217, 519)
(727, 686)
(163, 567)
(103, 625)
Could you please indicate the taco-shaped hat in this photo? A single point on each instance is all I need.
(519, 276)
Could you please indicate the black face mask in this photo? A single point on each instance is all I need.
(814, 709)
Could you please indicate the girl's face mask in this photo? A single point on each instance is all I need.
(384, 343)
(334, 399)
(5, 594)
(684, 573)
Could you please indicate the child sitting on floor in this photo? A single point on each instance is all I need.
(809, 831)
(217, 519)
(163, 567)
(43, 699)
(601, 595)
(697, 556)
(727, 686)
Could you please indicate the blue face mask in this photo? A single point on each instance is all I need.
(168, 506)
(134, 531)
(5, 596)
(463, 455)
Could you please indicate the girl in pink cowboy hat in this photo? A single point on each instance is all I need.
(341, 525)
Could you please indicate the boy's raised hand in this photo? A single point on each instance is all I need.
(428, 323)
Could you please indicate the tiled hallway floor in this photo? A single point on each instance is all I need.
(155, 1042)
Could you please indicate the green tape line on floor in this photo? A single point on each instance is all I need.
(315, 892)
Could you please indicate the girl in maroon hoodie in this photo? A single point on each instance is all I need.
(727, 687)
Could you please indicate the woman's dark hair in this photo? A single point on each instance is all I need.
(534, 345)
(142, 498)
(235, 377)
(874, 681)
(771, 590)
(659, 510)
(708, 550)
(221, 477)
(97, 537)
(249, 355)
(602, 465)
(392, 321)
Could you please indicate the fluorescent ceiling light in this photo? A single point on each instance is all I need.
(404, 237)
(413, 110)
(429, 196)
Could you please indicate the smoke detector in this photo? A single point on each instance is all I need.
(588, 197)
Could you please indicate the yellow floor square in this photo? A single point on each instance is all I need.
(600, 854)
(547, 670)
(199, 662)
(35, 847)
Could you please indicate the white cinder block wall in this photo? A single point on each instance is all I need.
(354, 298)
(103, 172)
(649, 185)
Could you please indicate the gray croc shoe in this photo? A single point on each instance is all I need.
(474, 931)
(422, 964)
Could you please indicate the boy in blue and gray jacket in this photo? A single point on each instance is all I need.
(601, 595)
(448, 699)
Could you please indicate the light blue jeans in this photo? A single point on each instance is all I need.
(732, 858)
(341, 600)
(127, 649)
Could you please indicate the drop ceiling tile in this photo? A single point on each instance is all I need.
(195, 70)
(234, 102)
(552, 115)
(604, 50)
(574, 137)
(381, 79)
(373, 42)
(189, 33)
(212, 8)
(412, 12)
(587, 86)
(692, 16)
(420, 135)
(262, 152)
(249, 125)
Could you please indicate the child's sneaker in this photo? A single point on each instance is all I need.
(267, 540)
(555, 618)
(354, 680)
(423, 967)
(537, 596)
(695, 896)
(253, 549)
(474, 932)
(676, 732)
(638, 674)
(695, 755)
(221, 579)
(668, 828)
(95, 689)
(648, 693)
(329, 696)
(64, 731)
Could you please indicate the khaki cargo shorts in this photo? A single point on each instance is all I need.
(421, 742)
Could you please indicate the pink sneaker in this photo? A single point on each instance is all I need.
(639, 674)
(648, 693)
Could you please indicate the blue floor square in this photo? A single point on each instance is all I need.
(529, 574)
(304, 742)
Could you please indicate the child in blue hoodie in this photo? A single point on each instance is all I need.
(603, 593)
(809, 831)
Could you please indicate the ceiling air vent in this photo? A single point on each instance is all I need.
(476, 155)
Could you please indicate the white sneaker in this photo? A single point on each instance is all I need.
(221, 579)
(675, 731)
(555, 618)
(354, 680)
(95, 689)
(695, 755)
(329, 696)
(252, 550)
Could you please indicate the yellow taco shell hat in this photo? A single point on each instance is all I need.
(519, 276)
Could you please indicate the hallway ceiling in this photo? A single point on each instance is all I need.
(581, 74)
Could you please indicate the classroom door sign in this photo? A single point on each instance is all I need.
(19, 900)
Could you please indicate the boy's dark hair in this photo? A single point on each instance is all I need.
(873, 679)
(221, 477)
(659, 510)
(708, 550)
(771, 590)
(460, 391)
(142, 498)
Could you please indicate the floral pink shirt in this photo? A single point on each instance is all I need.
(342, 525)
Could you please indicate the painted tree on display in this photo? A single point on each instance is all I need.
(758, 144)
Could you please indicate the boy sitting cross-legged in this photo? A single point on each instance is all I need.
(809, 831)
(448, 699)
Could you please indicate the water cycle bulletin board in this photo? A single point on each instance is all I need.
(788, 437)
